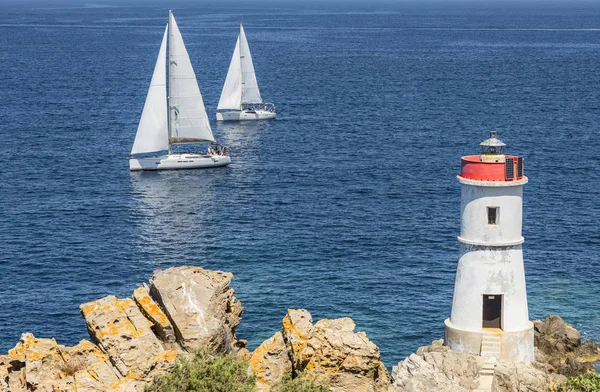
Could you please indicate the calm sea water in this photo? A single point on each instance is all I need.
(347, 205)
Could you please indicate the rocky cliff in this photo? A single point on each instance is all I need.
(134, 339)
(188, 308)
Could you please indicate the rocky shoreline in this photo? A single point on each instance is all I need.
(185, 309)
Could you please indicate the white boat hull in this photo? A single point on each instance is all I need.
(244, 115)
(179, 161)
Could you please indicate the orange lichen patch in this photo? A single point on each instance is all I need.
(86, 345)
(257, 363)
(108, 330)
(150, 308)
(120, 324)
(32, 348)
(166, 356)
(256, 358)
(130, 379)
(88, 307)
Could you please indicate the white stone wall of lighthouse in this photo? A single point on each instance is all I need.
(491, 256)
(491, 263)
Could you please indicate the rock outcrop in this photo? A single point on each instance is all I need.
(331, 350)
(134, 338)
(200, 305)
(437, 368)
(161, 325)
(121, 330)
(270, 362)
(43, 365)
(517, 377)
(562, 347)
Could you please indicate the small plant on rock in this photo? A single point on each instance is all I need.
(206, 373)
(303, 382)
(589, 382)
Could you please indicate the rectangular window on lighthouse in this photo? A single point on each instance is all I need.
(492, 213)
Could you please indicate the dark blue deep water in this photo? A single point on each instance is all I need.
(347, 205)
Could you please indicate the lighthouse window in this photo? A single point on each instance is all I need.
(492, 213)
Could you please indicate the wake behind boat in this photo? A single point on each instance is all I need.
(169, 123)
(240, 98)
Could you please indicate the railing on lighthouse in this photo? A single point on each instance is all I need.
(492, 164)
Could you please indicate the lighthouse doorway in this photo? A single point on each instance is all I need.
(492, 311)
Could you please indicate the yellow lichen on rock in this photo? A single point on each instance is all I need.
(124, 334)
(330, 350)
(150, 309)
(142, 297)
(270, 362)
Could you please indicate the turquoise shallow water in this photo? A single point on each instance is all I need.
(347, 205)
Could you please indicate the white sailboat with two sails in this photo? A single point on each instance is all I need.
(177, 120)
(240, 98)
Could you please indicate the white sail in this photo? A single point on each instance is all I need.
(152, 133)
(231, 96)
(188, 120)
(250, 92)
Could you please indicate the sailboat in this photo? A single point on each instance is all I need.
(240, 98)
(171, 122)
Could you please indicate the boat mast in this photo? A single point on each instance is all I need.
(241, 69)
(169, 82)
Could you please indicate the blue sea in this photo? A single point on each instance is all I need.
(346, 205)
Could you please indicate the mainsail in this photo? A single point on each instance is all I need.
(188, 120)
(152, 132)
(250, 92)
(240, 86)
(231, 96)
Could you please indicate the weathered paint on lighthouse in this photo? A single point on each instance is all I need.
(490, 297)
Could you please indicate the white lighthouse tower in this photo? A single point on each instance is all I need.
(489, 310)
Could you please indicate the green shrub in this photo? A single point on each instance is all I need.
(589, 382)
(301, 383)
(206, 373)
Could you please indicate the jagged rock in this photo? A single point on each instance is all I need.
(414, 374)
(331, 350)
(240, 349)
(12, 372)
(574, 367)
(160, 322)
(554, 335)
(437, 367)
(270, 362)
(561, 344)
(42, 361)
(297, 329)
(200, 305)
(93, 371)
(121, 331)
(517, 377)
(42, 365)
(540, 362)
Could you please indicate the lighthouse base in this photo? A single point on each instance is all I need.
(515, 346)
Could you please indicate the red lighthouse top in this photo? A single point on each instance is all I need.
(492, 164)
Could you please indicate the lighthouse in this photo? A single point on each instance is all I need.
(489, 309)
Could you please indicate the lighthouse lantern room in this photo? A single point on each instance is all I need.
(489, 309)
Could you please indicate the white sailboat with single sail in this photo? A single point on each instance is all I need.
(240, 98)
(170, 121)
